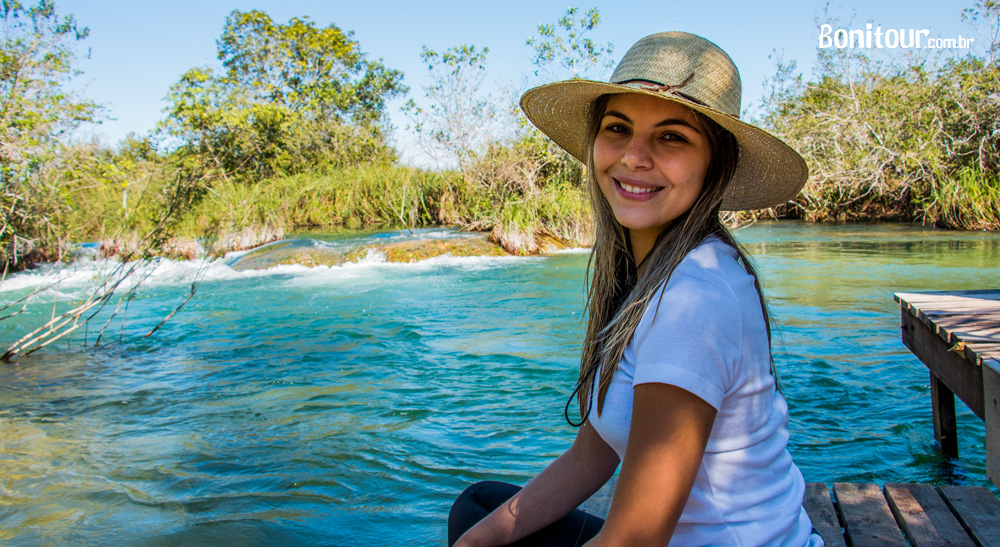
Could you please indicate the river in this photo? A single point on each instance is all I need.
(348, 405)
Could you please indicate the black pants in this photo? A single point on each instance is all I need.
(482, 498)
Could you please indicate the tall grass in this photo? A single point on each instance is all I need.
(968, 201)
(355, 197)
(522, 215)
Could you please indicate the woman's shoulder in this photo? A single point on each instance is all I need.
(709, 275)
(711, 254)
(713, 261)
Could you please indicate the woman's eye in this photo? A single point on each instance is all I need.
(673, 137)
(616, 128)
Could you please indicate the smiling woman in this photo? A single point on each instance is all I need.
(677, 356)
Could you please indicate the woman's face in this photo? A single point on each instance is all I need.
(650, 160)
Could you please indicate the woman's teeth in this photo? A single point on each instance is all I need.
(635, 189)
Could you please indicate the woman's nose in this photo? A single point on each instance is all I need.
(637, 154)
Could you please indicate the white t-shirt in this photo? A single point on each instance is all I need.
(708, 337)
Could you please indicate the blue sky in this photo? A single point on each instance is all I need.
(139, 48)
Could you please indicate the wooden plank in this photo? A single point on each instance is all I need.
(971, 328)
(928, 314)
(991, 396)
(819, 505)
(946, 298)
(987, 351)
(924, 517)
(946, 312)
(949, 317)
(956, 304)
(938, 314)
(946, 315)
(982, 294)
(866, 516)
(600, 502)
(943, 414)
(962, 377)
(978, 510)
(976, 336)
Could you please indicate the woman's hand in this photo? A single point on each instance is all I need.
(558, 489)
(667, 439)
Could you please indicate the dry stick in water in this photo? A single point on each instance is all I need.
(67, 322)
(198, 277)
(127, 294)
(194, 287)
(51, 327)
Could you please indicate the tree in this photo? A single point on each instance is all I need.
(321, 72)
(36, 113)
(290, 97)
(456, 122)
(985, 17)
(565, 44)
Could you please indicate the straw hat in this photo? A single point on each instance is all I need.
(696, 73)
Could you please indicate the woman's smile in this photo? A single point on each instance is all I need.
(636, 190)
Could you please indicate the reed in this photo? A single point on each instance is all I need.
(355, 197)
(236, 215)
(968, 201)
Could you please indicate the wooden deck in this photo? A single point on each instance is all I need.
(865, 515)
(900, 514)
(957, 336)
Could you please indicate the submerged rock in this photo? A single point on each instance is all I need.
(303, 252)
(422, 249)
(245, 239)
(311, 252)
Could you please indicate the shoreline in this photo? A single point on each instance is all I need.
(476, 243)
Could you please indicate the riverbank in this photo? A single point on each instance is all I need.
(238, 216)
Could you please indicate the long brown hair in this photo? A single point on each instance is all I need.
(617, 292)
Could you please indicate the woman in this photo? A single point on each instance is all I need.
(676, 380)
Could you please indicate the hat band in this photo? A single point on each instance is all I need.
(657, 87)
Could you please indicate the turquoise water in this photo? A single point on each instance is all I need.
(349, 405)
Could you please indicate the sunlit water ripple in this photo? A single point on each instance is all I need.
(348, 405)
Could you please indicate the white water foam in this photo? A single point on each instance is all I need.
(374, 267)
(75, 280)
(571, 251)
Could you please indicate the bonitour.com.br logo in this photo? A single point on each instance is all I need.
(891, 38)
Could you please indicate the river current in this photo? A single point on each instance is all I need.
(348, 405)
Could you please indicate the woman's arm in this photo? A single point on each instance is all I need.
(667, 438)
(558, 489)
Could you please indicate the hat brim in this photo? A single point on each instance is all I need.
(768, 171)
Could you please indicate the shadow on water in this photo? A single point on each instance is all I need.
(345, 405)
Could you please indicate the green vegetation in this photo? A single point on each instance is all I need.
(290, 133)
(891, 140)
(969, 200)
(565, 44)
(292, 98)
(36, 57)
